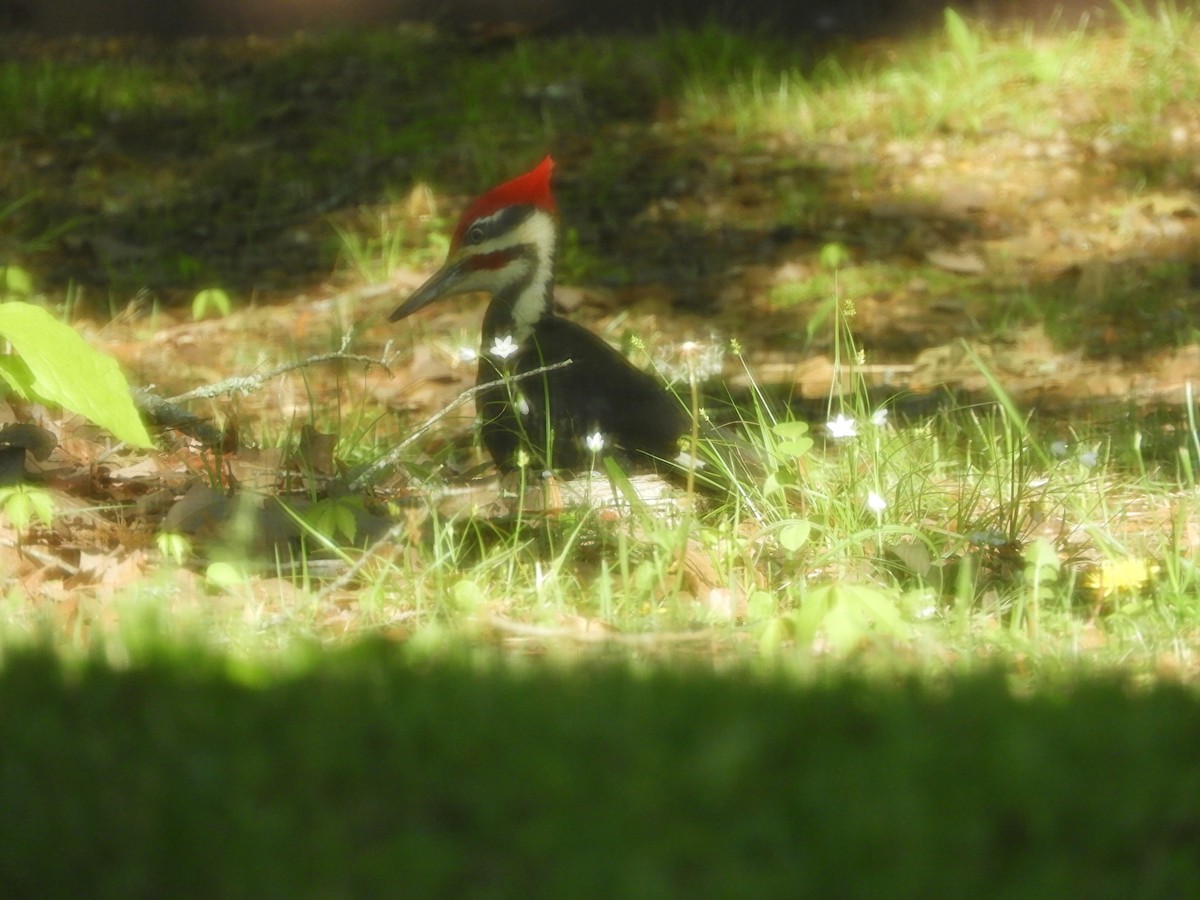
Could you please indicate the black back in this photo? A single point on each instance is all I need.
(600, 391)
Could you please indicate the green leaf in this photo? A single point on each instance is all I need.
(225, 575)
(844, 627)
(345, 522)
(334, 518)
(1041, 560)
(813, 609)
(794, 441)
(794, 534)
(214, 298)
(761, 605)
(778, 630)
(794, 449)
(882, 610)
(16, 281)
(173, 546)
(21, 504)
(778, 481)
(846, 614)
(320, 518)
(467, 596)
(834, 255)
(69, 372)
(42, 505)
(789, 431)
(17, 376)
(962, 39)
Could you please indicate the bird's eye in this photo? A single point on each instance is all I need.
(475, 234)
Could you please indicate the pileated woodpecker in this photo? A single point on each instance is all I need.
(504, 245)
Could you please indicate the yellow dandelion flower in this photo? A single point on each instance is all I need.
(1114, 576)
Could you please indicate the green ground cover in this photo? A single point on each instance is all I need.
(367, 775)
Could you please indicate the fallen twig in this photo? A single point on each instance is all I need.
(163, 413)
(343, 580)
(248, 384)
(169, 412)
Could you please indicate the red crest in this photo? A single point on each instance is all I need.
(532, 189)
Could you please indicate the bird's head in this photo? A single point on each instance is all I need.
(504, 245)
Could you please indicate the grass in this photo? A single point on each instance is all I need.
(970, 82)
(962, 506)
(376, 769)
(899, 545)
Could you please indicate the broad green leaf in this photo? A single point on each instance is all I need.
(334, 518)
(847, 613)
(778, 630)
(761, 605)
(17, 376)
(850, 615)
(778, 481)
(811, 613)
(1041, 559)
(881, 610)
(794, 449)
(793, 441)
(42, 505)
(794, 534)
(21, 505)
(225, 575)
(844, 627)
(345, 521)
(790, 431)
(322, 518)
(69, 372)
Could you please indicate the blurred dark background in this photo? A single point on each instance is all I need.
(185, 18)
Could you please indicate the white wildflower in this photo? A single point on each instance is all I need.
(875, 502)
(842, 427)
(503, 347)
(1089, 458)
(879, 417)
(595, 442)
(1059, 449)
(467, 354)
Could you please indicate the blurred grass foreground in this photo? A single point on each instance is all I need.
(374, 776)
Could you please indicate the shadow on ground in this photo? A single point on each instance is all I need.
(491, 19)
(236, 163)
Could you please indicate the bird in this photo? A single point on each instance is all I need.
(591, 401)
